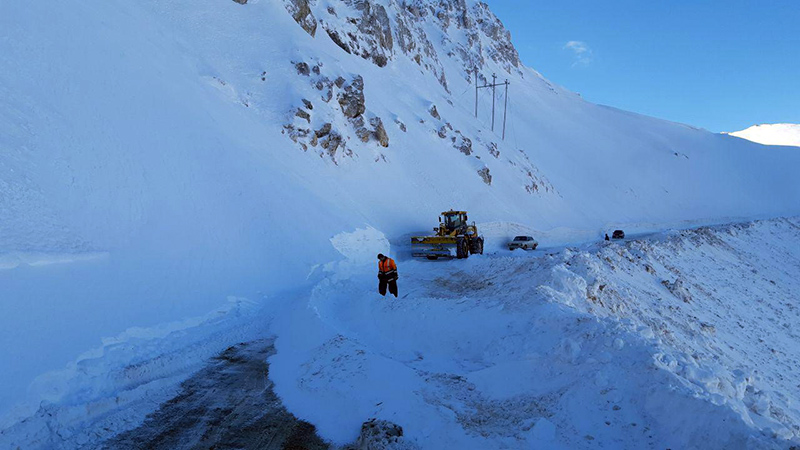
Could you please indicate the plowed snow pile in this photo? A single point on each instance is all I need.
(679, 340)
(682, 340)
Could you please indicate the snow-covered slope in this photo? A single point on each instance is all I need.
(158, 157)
(772, 134)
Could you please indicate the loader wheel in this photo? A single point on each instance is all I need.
(433, 258)
(476, 246)
(462, 249)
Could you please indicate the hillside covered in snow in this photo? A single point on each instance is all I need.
(161, 160)
(772, 134)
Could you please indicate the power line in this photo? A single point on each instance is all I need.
(493, 86)
(514, 133)
(505, 109)
(485, 103)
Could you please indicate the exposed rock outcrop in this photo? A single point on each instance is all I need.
(380, 435)
(297, 134)
(301, 13)
(331, 143)
(364, 128)
(535, 182)
(434, 113)
(368, 35)
(303, 115)
(302, 68)
(323, 131)
(361, 129)
(338, 40)
(303, 129)
(463, 144)
(380, 131)
(351, 98)
(485, 175)
(501, 50)
(370, 30)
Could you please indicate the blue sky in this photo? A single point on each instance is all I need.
(720, 65)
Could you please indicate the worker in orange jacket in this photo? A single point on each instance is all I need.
(387, 274)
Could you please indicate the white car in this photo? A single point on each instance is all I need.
(523, 242)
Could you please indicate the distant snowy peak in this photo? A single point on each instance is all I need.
(384, 30)
(772, 134)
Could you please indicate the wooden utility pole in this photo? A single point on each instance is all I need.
(505, 108)
(494, 78)
(476, 92)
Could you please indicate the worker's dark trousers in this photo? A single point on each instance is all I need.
(392, 283)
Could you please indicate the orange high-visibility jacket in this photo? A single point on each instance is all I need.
(387, 266)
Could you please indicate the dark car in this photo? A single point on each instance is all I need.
(618, 234)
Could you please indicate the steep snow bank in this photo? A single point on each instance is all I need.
(721, 302)
(126, 150)
(112, 388)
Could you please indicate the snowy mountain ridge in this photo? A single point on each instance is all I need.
(772, 134)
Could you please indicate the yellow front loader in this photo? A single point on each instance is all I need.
(455, 237)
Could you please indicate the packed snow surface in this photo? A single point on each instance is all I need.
(683, 339)
(157, 158)
(772, 134)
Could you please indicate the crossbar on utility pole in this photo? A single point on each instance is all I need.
(493, 86)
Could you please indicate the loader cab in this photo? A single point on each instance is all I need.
(452, 220)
